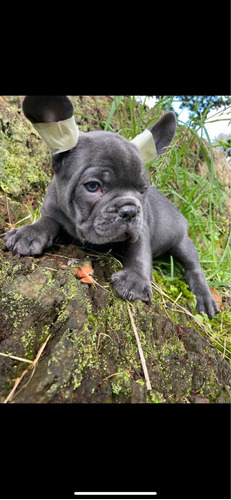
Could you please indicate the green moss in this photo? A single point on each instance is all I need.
(77, 350)
(93, 353)
(172, 345)
(28, 341)
(220, 328)
(23, 157)
(9, 268)
(217, 329)
(120, 382)
(174, 287)
(155, 397)
(77, 346)
(121, 333)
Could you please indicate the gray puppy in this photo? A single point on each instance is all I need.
(100, 195)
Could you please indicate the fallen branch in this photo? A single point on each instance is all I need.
(143, 362)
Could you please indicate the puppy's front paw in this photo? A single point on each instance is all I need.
(206, 304)
(26, 240)
(130, 285)
(199, 286)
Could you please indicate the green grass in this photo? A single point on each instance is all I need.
(200, 199)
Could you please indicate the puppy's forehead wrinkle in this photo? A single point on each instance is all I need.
(105, 149)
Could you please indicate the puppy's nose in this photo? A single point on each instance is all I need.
(127, 212)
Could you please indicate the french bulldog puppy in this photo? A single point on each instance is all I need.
(100, 194)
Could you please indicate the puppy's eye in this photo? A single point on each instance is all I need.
(143, 190)
(93, 186)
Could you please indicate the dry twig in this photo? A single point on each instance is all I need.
(31, 367)
(183, 310)
(15, 357)
(143, 362)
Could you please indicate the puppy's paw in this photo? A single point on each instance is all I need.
(27, 240)
(206, 304)
(199, 286)
(130, 285)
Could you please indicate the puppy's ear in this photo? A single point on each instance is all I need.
(152, 143)
(52, 117)
(163, 131)
(145, 143)
(47, 108)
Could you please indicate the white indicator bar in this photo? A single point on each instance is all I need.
(120, 493)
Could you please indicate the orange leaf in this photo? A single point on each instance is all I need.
(217, 297)
(85, 273)
(88, 279)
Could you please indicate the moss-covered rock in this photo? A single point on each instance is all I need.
(92, 355)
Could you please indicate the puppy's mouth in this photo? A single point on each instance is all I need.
(118, 229)
(127, 235)
(131, 235)
(113, 224)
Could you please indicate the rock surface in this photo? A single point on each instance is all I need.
(92, 355)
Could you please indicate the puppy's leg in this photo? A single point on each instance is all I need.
(134, 281)
(186, 253)
(32, 239)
